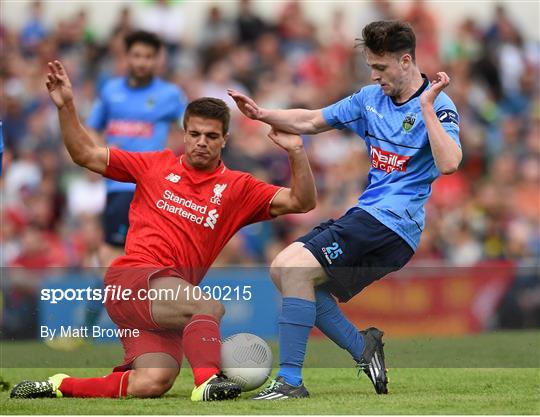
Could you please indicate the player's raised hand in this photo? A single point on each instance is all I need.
(246, 104)
(287, 141)
(58, 84)
(440, 83)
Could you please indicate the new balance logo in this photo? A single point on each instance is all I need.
(173, 178)
(211, 220)
(388, 161)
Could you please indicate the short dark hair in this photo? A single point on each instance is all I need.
(209, 108)
(389, 36)
(142, 36)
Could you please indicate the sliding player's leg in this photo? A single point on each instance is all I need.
(153, 374)
(199, 320)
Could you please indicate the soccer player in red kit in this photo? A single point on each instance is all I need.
(184, 211)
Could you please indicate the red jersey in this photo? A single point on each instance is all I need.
(181, 217)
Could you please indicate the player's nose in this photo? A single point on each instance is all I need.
(202, 142)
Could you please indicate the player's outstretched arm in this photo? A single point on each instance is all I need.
(80, 145)
(296, 121)
(302, 196)
(446, 152)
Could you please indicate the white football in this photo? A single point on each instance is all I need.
(246, 359)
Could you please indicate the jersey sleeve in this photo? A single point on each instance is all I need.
(98, 115)
(448, 116)
(256, 199)
(344, 112)
(127, 166)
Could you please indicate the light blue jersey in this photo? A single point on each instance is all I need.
(136, 119)
(402, 165)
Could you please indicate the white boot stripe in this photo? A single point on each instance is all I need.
(265, 396)
(371, 371)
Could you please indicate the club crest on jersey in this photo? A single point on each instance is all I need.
(408, 122)
(218, 191)
(150, 102)
(173, 178)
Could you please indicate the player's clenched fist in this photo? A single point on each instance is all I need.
(288, 141)
(58, 84)
(440, 83)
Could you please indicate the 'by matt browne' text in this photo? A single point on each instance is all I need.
(50, 333)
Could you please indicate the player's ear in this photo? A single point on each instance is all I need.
(405, 61)
(225, 140)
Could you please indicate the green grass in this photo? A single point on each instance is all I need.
(494, 389)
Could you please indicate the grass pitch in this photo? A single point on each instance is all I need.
(510, 384)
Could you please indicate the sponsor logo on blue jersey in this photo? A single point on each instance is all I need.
(388, 161)
(448, 116)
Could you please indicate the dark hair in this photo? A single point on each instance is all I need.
(141, 36)
(209, 108)
(389, 36)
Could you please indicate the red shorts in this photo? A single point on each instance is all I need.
(136, 313)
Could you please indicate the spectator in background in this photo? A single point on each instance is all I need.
(168, 22)
(34, 30)
(218, 79)
(217, 37)
(377, 10)
(298, 34)
(249, 25)
(86, 196)
(425, 26)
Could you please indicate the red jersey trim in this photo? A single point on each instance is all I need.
(272, 199)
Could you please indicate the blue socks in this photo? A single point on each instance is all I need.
(295, 323)
(331, 321)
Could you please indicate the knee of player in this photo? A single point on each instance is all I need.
(212, 308)
(286, 268)
(275, 272)
(281, 265)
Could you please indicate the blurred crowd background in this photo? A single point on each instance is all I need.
(488, 210)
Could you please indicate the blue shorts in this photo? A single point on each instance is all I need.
(355, 251)
(116, 218)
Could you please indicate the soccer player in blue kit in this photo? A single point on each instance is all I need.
(135, 113)
(412, 135)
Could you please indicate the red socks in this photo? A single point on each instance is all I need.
(202, 347)
(110, 386)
